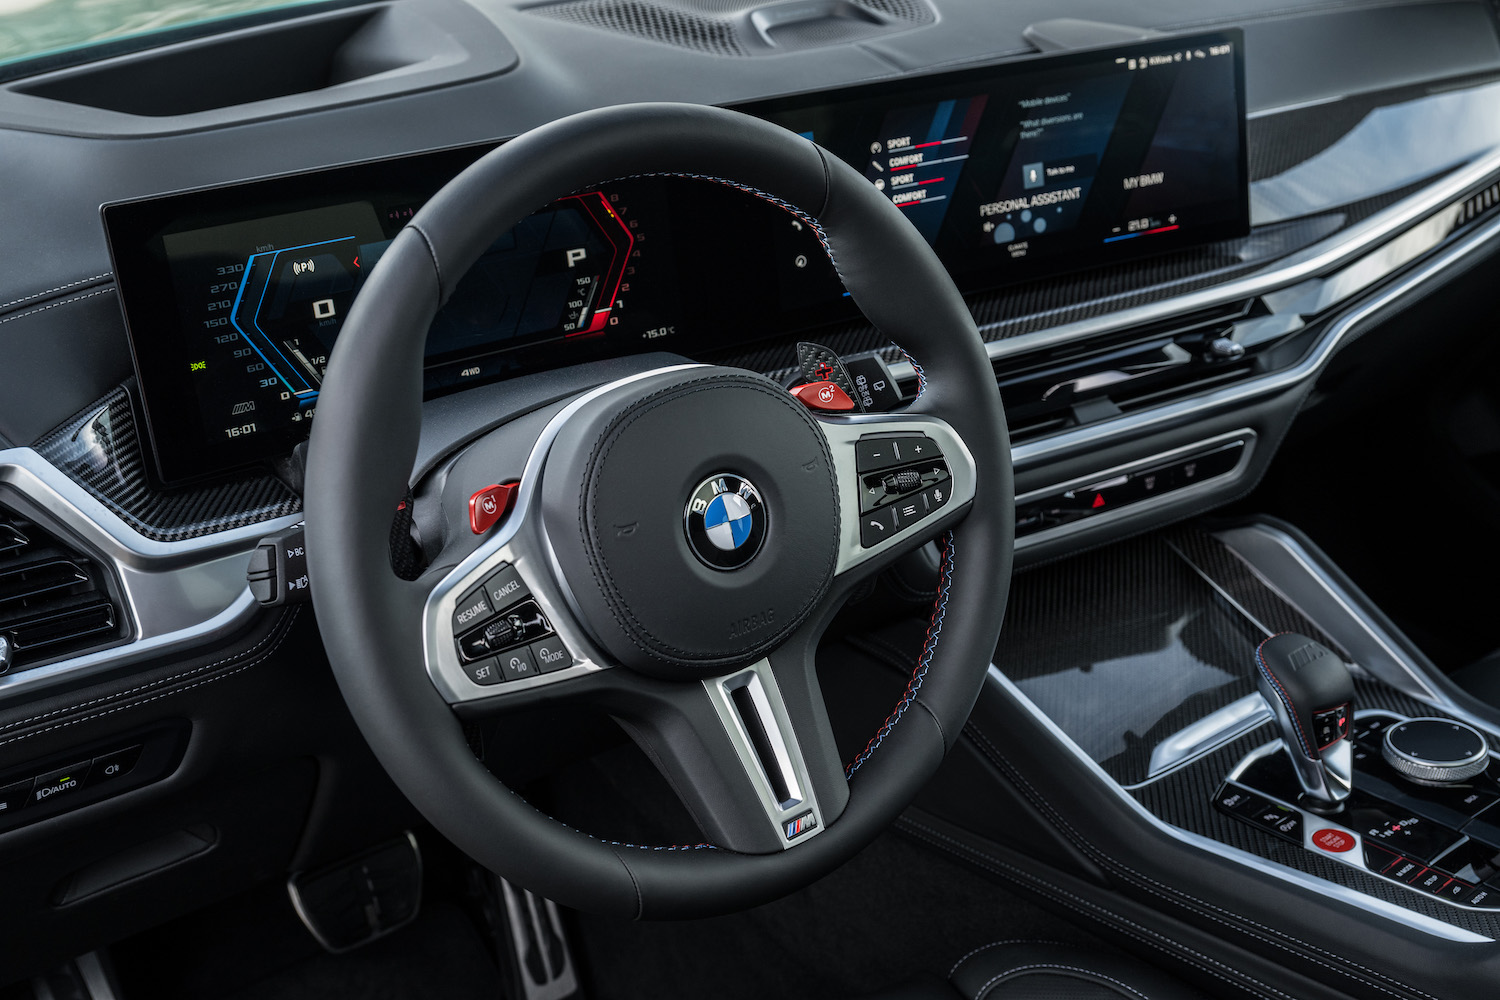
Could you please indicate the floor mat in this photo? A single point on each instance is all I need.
(254, 949)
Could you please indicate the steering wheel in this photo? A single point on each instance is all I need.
(679, 540)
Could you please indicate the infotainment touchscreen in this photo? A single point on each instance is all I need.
(1058, 163)
(234, 295)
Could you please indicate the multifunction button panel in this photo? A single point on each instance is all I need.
(1441, 841)
(1058, 506)
(501, 633)
(902, 480)
(64, 782)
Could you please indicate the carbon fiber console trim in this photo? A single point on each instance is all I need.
(101, 450)
(1140, 607)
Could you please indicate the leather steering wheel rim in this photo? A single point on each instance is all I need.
(366, 436)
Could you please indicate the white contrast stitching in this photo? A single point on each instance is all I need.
(984, 990)
(1152, 938)
(41, 295)
(293, 612)
(1238, 921)
(59, 302)
(999, 944)
(157, 697)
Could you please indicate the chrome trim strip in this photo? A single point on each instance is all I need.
(1207, 734)
(1371, 904)
(43, 482)
(760, 679)
(1311, 822)
(178, 595)
(521, 541)
(1197, 407)
(1293, 572)
(842, 433)
(1244, 436)
(1321, 257)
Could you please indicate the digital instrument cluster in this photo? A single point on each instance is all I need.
(235, 296)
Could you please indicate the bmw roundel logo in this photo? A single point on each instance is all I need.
(726, 521)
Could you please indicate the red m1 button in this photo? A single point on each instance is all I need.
(823, 396)
(1333, 841)
(489, 505)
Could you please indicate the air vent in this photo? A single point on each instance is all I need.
(737, 28)
(54, 601)
(1080, 383)
(1478, 204)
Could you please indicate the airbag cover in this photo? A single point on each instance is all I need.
(616, 504)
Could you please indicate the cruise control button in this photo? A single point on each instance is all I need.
(15, 796)
(484, 672)
(505, 587)
(874, 454)
(473, 608)
(550, 655)
(876, 526)
(113, 765)
(60, 783)
(517, 664)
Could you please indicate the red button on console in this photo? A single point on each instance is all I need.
(489, 505)
(1336, 841)
(823, 396)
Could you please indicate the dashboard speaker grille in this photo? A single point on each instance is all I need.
(54, 600)
(728, 27)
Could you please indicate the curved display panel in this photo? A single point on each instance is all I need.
(234, 296)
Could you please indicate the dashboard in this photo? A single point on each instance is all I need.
(235, 296)
(1172, 234)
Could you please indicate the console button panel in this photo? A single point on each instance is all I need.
(1440, 841)
(902, 480)
(61, 783)
(502, 634)
(1051, 509)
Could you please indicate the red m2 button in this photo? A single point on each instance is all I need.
(489, 505)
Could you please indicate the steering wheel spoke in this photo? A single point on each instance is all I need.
(903, 478)
(498, 624)
(750, 753)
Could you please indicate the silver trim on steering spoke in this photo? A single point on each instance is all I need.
(763, 697)
(844, 431)
(520, 541)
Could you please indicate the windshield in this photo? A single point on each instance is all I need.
(35, 27)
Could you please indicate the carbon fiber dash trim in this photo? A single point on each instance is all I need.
(101, 450)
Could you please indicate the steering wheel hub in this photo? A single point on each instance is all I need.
(680, 567)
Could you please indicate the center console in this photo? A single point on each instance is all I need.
(1238, 697)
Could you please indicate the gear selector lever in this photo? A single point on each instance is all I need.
(1312, 693)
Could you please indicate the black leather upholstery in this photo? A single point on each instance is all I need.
(1039, 970)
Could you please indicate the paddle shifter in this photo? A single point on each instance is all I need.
(1312, 693)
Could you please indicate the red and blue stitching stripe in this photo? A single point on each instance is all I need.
(1265, 672)
(929, 647)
